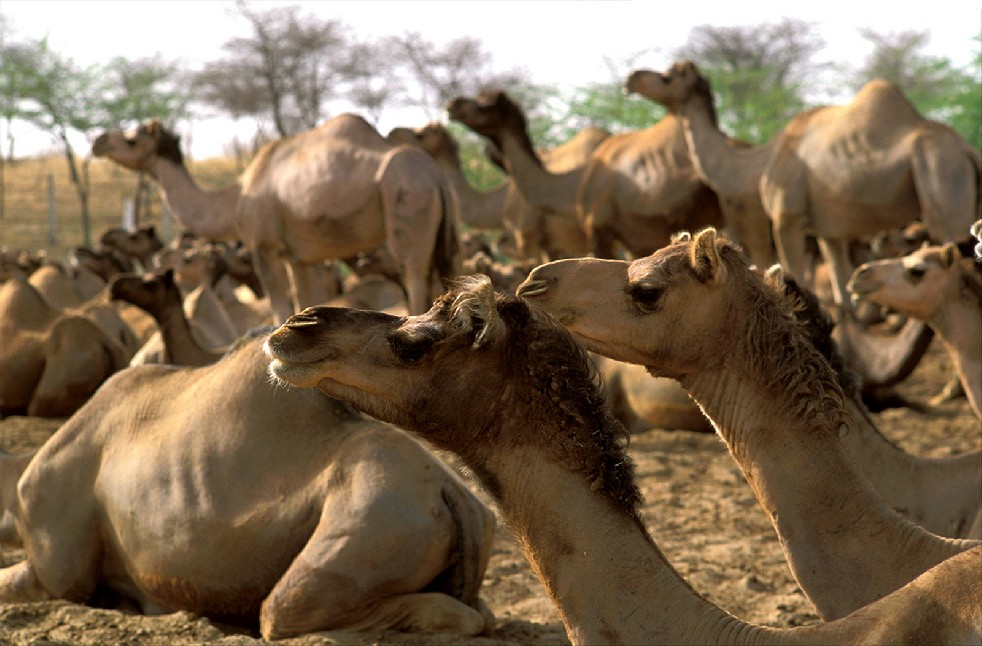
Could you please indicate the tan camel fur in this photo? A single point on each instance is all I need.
(554, 459)
(936, 285)
(840, 173)
(537, 235)
(52, 360)
(642, 402)
(213, 491)
(62, 287)
(609, 196)
(325, 193)
(159, 296)
(942, 495)
(696, 312)
(139, 244)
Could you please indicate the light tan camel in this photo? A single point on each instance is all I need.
(641, 401)
(554, 460)
(52, 360)
(635, 191)
(696, 312)
(213, 491)
(536, 234)
(62, 287)
(936, 285)
(840, 173)
(139, 244)
(325, 193)
(943, 495)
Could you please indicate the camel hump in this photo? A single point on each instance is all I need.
(354, 129)
(880, 98)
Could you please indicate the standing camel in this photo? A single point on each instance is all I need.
(696, 312)
(329, 192)
(840, 173)
(554, 460)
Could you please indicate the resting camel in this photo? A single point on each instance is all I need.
(840, 173)
(139, 244)
(934, 284)
(554, 460)
(52, 360)
(214, 491)
(696, 312)
(325, 193)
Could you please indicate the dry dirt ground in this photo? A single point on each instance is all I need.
(698, 507)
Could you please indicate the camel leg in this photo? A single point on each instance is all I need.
(312, 283)
(275, 280)
(789, 238)
(947, 184)
(363, 569)
(19, 584)
(836, 254)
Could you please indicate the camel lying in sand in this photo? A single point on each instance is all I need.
(934, 284)
(325, 193)
(695, 311)
(554, 460)
(213, 491)
(52, 360)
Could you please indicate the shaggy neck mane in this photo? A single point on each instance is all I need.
(779, 356)
(551, 378)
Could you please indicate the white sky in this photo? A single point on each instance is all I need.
(557, 42)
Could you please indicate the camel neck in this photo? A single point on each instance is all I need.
(827, 516)
(960, 327)
(725, 168)
(609, 580)
(209, 214)
(180, 345)
(550, 192)
(479, 209)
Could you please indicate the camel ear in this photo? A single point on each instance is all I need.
(950, 254)
(704, 257)
(475, 310)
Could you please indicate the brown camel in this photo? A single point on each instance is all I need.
(554, 459)
(503, 207)
(325, 193)
(695, 311)
(52, 360)
(936, 285)
(139, 244)
(213, 491)
(840, 173)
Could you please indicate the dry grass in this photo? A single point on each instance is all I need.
(25, 218)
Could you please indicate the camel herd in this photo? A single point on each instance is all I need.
(242, 404)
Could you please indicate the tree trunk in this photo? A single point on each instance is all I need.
(81, 187)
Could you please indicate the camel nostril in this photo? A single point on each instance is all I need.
(302, 322)
(532, 288)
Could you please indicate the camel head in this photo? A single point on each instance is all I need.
(452, 374)
(105, 262)
(915, 285)
(491, 114)
(433, 138)
(140, 243)
(673, 311)
(136, 148)
(150, 292)
(671, 88)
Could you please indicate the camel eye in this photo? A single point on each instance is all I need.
(915, 273)
(645, 296)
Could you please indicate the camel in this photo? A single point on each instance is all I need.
(936, 285)
(62, 287)
(840, 173)
(554, 460)
(212, 491)
(325, 193)
(695, 311)
(503, 207)
(636, 189)
(942, 495)
(139, 244)
(641, 401)
(52, 360)
(976, 231)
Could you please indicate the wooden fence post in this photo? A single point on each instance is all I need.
(52, 211)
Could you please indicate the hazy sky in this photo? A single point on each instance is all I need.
(557, 42)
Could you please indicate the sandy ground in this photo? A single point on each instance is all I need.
(698, 507)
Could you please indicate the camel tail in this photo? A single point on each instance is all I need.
(446, 250)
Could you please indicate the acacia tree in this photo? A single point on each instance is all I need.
(760, 74)
(285, 72)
